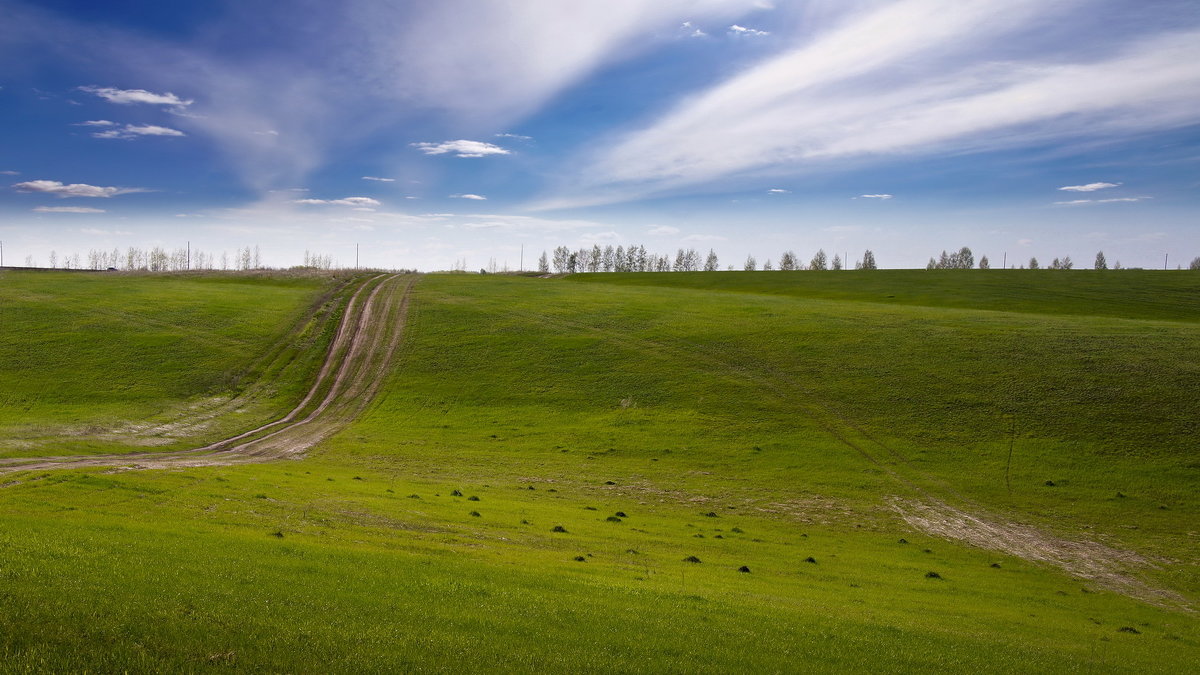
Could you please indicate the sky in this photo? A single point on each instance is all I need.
(435, 134)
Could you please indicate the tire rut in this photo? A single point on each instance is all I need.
(354, 368)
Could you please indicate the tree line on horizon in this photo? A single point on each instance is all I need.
(638, 259)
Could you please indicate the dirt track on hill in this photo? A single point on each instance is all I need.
(354, 368)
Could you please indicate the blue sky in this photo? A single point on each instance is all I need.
(430, 133)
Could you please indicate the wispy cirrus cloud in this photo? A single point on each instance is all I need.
(345, 201)
(867, 92)
(876, 196)
(379, 180)
(478, 198)
(59, 189)
(129, 96)
(67, 209)
(461, 148)
(1090, 187)
(1113, 200)
(132, 131)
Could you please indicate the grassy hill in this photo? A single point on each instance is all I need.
(100, 362)
(530, 488)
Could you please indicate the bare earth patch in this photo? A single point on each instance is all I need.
(1105, 566)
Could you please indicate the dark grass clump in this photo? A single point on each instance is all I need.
(995, 566)
(1129, 629)
(613, 519)
(475, 513)
(278, 534)
(590, 508)
(737, 530)
(558, 528)
(580, 558)
(609, 482)
(620, 514)
(414, 496)
(744, 569)
(632, 551)
(456, 493)
(932, 575)
(718, 537)
(358, 478)
(698, 535)
(1049, 483)
(472, 498)
(903, 541)
(711, 514)
(691, 559)
(810, 559)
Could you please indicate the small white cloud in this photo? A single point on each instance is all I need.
(518, 137)
(880, 196)
(67, 209)
(469, 196)
(130, 132)
(265, 132)
(663, 230)
(461, 148)
(742, 30)
(10, 173)
(1024, 242)
(380, 180)
(704, 237)
(96, 123)
(345, 201)
(127, 96)
(1114, 200)
(74, 189)
(1090, 187)
(778, 191)
(692, 30)
(95, 231)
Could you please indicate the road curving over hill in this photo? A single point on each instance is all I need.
(358, 360)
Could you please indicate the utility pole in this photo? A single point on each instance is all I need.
(1004, 265)
(1165, 260)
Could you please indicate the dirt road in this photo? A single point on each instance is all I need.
(354, 368)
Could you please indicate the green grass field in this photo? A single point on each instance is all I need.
(99, 363)
(781, 422)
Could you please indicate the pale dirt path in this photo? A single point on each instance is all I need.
(355, 366)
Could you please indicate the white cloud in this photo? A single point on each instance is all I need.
(74, 189)
(130, 132)
(1024, 242)
(380, 180)
(778, 191)
(99, 232)
(704, 237)
(127, 96)
(518, 137)
(97, 123)
(10, 173)
(1090, 187)
(469, 196)
(662, 230)
(267, 132)
(461, 148)
(742, 30)
(345, 201)
(1113, 200)
(879, 196)
(67, 209)
(871, 92)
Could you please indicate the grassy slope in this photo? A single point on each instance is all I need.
(82, 353)
(689, 402)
